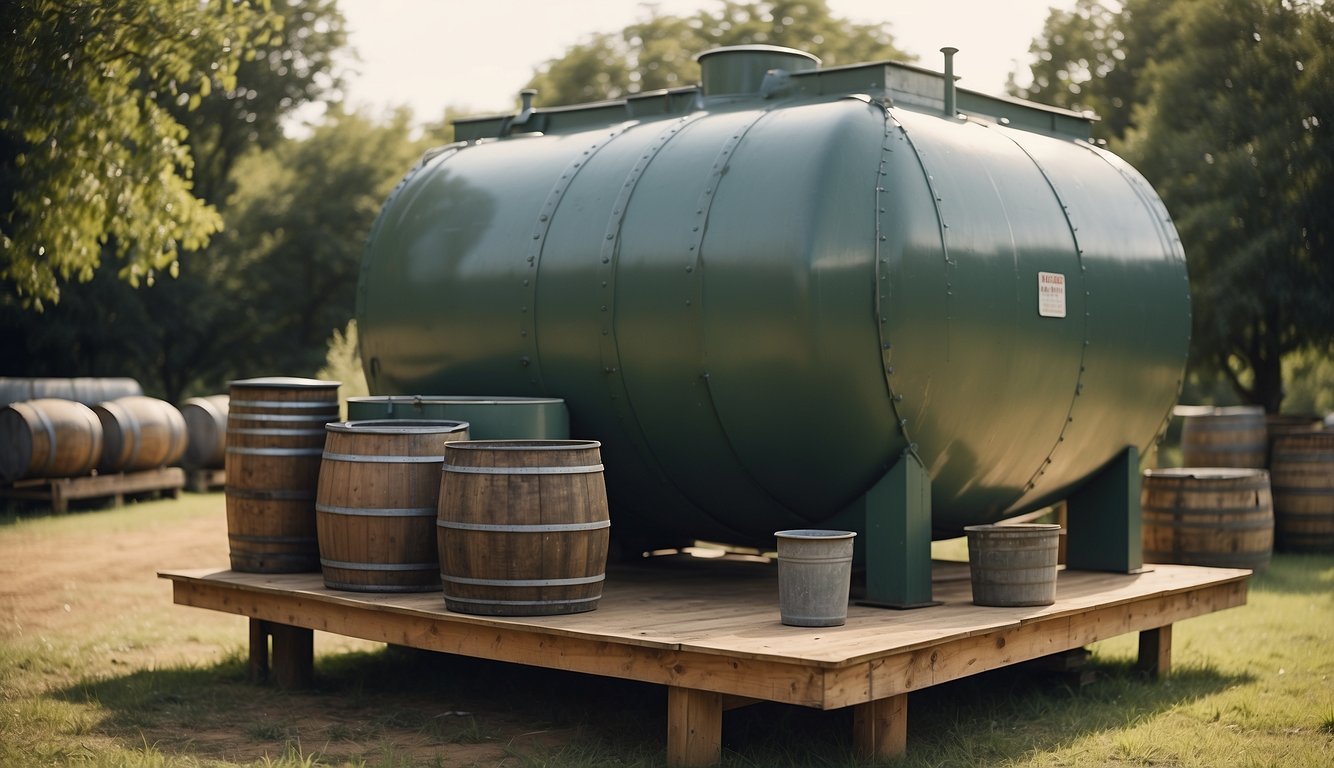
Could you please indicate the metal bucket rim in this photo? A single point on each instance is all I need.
(398, 426)
(817, 534)
(1016, 528)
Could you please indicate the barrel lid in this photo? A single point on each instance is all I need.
(1205, 473)
(292, 382)
(524, 445)
(398, 426)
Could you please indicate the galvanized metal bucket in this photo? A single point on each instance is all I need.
(814, 574)
(1013, 565)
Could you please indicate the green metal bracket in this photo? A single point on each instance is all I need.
(1103, 518)
(897, 511)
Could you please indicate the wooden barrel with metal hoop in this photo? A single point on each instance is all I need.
(275, 438)
(523, 527)
(1215, 516)
(206, 427)
(1304, 491)
(48, 438)
(139, 433)
(1233, 436)
(376, 505)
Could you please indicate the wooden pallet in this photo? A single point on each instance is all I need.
(709, 631)
(204, 480)
(60, 491)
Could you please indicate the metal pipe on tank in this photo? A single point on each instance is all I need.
(949, 51)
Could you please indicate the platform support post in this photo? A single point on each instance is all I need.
(897, 514)
(1104, 519)
(880, 728)
(293, 664)
(694, 727)
(1155, 651)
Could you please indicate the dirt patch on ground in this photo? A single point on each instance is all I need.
(96, 594)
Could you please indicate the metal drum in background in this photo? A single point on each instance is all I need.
(206, 427)
(376, 505)
(523, 527)
(1215, 516)
(1233, 436)
(1303, 482)
(48, 438)
(140, 433)
(489, 418)
(275, 438)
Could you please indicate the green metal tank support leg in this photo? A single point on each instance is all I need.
(898, 537)
(1103, 518)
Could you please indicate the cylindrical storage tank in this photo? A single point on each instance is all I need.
(696, 273)
(523, 527)
(275, 439)
(1233, 436)
(489, 418)
(139, 433)
(1303, 481)
(48, 438)
(206, 430)
(376, 505)
(1221, 517)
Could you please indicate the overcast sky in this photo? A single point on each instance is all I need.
(477, 54)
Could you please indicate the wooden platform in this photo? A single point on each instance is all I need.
(710, 632)
(60, 491)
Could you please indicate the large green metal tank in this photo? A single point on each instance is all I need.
(762, 293)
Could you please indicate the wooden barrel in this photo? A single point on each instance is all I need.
(206, 430)
(376, 505)
(1304, 492)
(1221, 517)
(1223, 437)
(48, 438)
(139, 433)
(1279, 424)
(523, 527)
(275, 436)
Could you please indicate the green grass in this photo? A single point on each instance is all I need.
(1251, 686)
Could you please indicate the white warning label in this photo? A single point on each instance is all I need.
(1051, 294)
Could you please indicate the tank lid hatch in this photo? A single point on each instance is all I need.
(739, 69)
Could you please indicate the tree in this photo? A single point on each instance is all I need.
(1226, 108)
(171, 335)
(1092, 57)
(298, 220)
(1235, 133)
(89, 155)
(658, 52)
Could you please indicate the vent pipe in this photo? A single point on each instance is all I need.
(949, 51)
